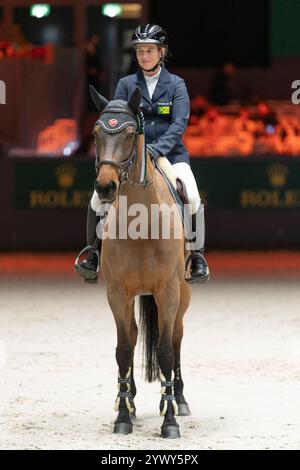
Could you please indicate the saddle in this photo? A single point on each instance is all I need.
(181, 199)
(179, 194)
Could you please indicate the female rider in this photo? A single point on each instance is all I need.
(166, 108)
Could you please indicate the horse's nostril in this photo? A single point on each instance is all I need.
(111, 186)
(98, 187)
(102, 190)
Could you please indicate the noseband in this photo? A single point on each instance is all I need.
(113, 120)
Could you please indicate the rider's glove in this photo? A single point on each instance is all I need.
(152, 151)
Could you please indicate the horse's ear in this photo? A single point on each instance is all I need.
(99, 101)
(134, 100)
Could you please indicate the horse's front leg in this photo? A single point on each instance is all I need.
(134, 334)
(185, 296)
(123, 311)
(167, 305)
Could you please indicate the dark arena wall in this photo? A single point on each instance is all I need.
(250, 203)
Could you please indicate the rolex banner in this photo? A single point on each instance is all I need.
(248, 183)
(237, 183)
(53, 183)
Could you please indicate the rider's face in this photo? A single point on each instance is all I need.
(148, 55)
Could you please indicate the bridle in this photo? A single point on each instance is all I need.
(127, 118)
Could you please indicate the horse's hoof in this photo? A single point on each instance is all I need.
(123, 428)
(133, 414)
(183, 409)
(170, 432)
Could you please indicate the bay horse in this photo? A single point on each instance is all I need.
(152, 269)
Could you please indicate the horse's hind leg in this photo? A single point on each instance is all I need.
(123, 311)
(185, 296)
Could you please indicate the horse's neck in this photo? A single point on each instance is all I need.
(154, 190)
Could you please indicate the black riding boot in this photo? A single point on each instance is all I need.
(199, 268)
(89, 267)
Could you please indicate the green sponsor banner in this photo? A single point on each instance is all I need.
(233, 183)
(248, 183)
(53, 183)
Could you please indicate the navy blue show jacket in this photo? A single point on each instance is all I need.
(166, 115)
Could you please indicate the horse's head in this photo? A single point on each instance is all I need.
(115, 134)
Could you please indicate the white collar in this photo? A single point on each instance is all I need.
(153, 77)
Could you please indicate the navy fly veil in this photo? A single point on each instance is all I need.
(115, 117)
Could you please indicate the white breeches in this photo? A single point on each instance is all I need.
(184, 172)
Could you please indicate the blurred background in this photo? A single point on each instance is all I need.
(239, 61)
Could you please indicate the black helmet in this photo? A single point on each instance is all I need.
(150, 34)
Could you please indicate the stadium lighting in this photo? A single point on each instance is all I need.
(112, 10)
(40, 10)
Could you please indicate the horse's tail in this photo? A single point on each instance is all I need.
(150, 332)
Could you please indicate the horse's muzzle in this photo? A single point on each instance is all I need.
(106, 193)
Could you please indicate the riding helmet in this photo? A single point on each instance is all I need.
(150, 34)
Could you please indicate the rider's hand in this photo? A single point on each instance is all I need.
(152, 151)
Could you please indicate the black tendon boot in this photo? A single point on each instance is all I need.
(88, 267)
(199, 271)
